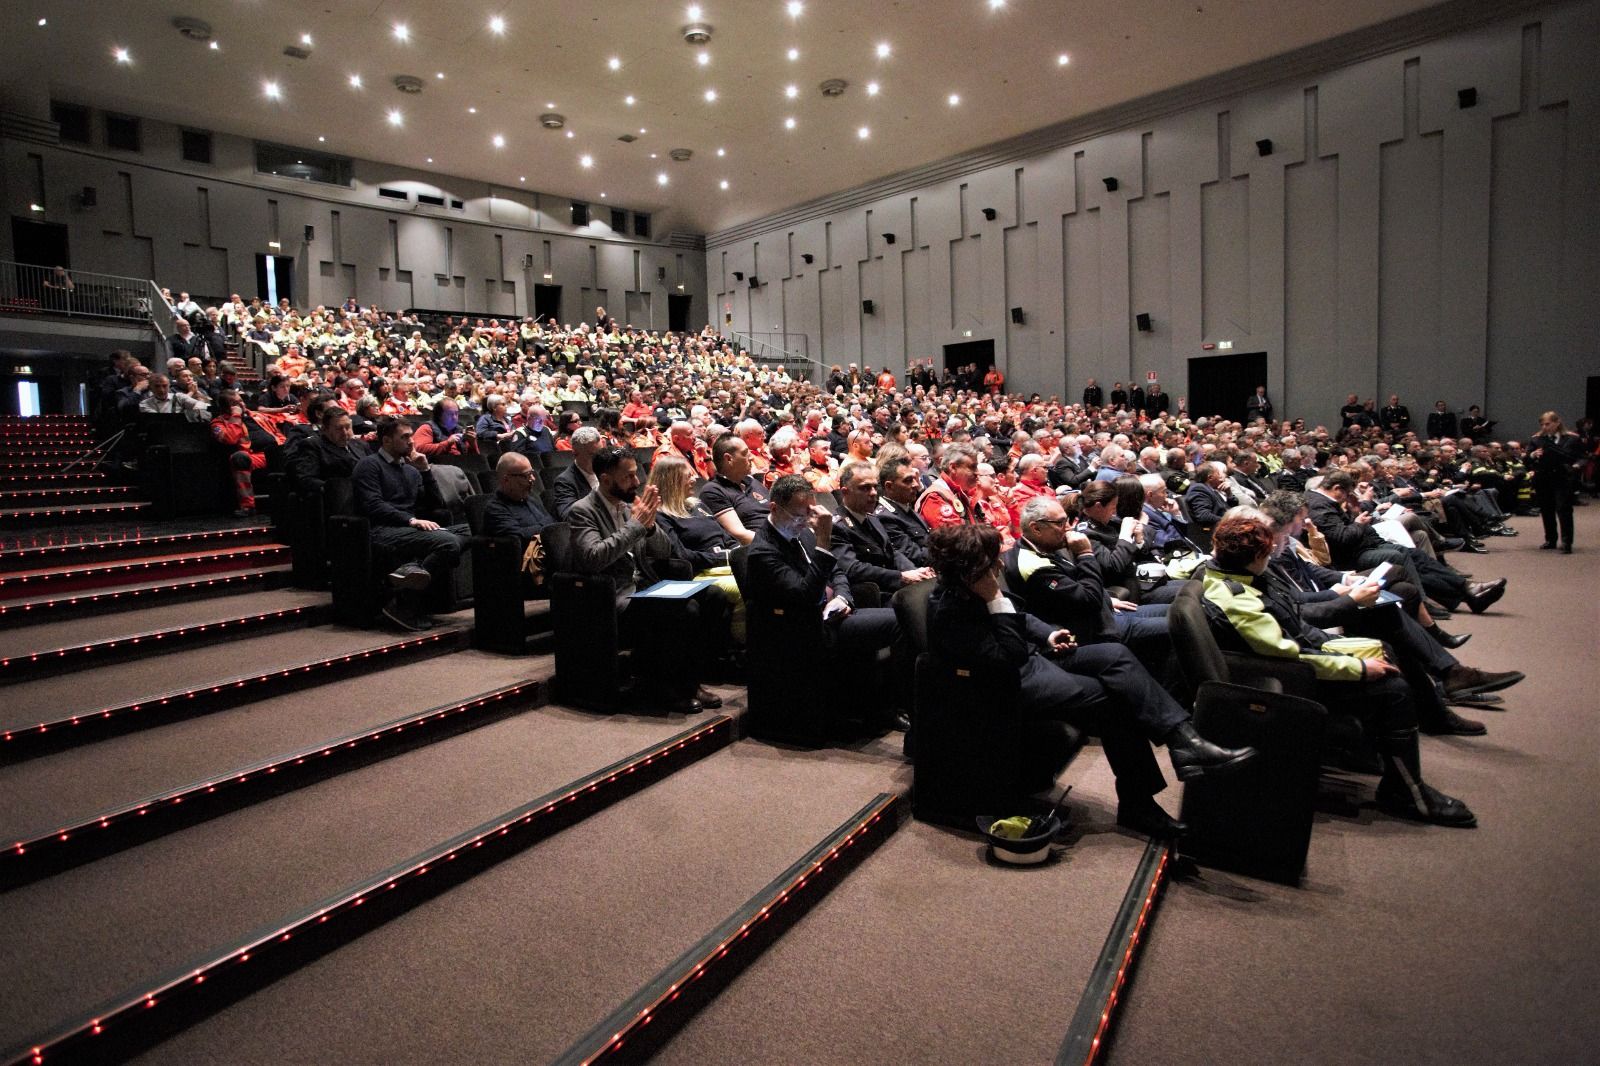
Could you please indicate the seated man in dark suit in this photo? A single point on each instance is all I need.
(864, 547)
(614, 533)
(900, 484)
(391, 485)
(332, 453)
(792, 565)
(1100, 688)
(577, 480)
(515, 511)
(1205, 498)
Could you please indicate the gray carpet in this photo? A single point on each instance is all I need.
(61, 789)
(1417, 944)
(112, 624)
(518, 962)
(92, 932)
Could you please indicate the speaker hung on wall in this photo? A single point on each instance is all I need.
(755, 282)
(808, 258)
(88, 197)
(867, 307)
(990, 213)
(1111, 184)
(1017, 316)
(1142, 320)
(1264, 146)
(888, 238)
(738, 275)
(311, 234)
(661, 273)
(1467, 98)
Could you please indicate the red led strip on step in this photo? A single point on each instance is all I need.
(44, 606)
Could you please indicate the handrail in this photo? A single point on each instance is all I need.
(761, 350)
(31, 289)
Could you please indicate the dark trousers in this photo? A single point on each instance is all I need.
(1102, 689)
(1384, 707)
(1433, 577)
(439, 550)
(1555, 507)
(1146, 633)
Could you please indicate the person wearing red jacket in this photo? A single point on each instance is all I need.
(443, 433)
(229, 430)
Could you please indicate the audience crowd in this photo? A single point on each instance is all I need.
(1088, 516)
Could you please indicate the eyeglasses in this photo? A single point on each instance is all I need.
(1051, 521)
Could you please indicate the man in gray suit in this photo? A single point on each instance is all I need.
(614, 533)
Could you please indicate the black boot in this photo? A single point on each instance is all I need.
(1194, 756)
(1404, 794)
(1146, 816)
(1448, 640)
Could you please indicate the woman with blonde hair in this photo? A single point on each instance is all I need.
(695, 533)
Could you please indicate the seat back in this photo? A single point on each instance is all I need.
(791, 684)
(1199, 535)
(1199, 656)
(475, 508)
(644, 456)
(555, 463)
(911, 611)
(454, 488)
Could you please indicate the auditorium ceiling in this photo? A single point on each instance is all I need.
(923, 80)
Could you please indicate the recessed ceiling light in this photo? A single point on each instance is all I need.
(629, 100)
(586, 161)
(44, 22)
(872, 88)
(498, 141)
(662, 179)
(654, 156)
(955, 98)
(602, 196)
(722, 152)
(996, 5)
(523, 178)
(788, 123)
(791, 91)
(122, 55)
(643, 130)
(440, 75)
(1062, 60)
(723, 183)
(711, 96)
(883, 50)
(702, 57)
(401, 32)
(550, 107)
(863, 133)
(793, 53)
(355, 81)
(430, 159)
(694, 12)
(472, 111)
(272, 90)
(795, 8)
(497, 25)
(396, 118)
(214, 46)
(570, 135)
(321, 139)
(305, 39)
(614, 63)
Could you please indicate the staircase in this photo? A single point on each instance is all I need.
(41, 481)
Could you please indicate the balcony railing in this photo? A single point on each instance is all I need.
(788, 350)
(27, 289)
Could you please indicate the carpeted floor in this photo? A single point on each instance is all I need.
(517, 963)
(1413, 944)
(112, 624)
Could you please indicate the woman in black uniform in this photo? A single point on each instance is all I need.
(1556, 456)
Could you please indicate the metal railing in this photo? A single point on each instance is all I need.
(27, 288)
(773, 348)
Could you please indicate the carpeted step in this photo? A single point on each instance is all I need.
(82, 575)
(83, 512)
(90, 544)
(92, 932)
(15, 480)
(53, 608)
(73, 786)
(51, 495)
(53, 713)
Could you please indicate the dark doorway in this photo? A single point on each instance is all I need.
(980, 353)
(678, 312)
(546, 302)
(275, 278)
(1592, 400)
(1220, 384)
(31, 394)
(40, 243)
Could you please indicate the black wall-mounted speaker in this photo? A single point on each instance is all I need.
(755, 282)
(661, 273)
(866, 307)
(88, 197)
(1264, 146)
(1017, 316)
(1111, 184)
(1142, 320)
(738, 275)
(808, 257)
(311, 234)
(888, 238)
(1467, 98)
(990, 213)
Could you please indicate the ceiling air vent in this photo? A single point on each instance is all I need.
(627, 138)
(552, 121)
(697, 33)
(294, 51)
(833, 87)
(682, 155)
(194, 29)
(409, 84)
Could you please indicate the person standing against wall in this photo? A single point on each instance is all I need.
(1556, 456)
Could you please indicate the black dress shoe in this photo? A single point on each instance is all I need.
(708, 699)
(1438, 610)
(1484, 594)
(1548, 546)
(1448, 640)
(684, 705)
(1194, 756)
(411, 578)
(1147, 817)
(1503, 531)
(1427, 805)
(1450, 724)
(1475, 547)
(1450, 544)
(1566, 549)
